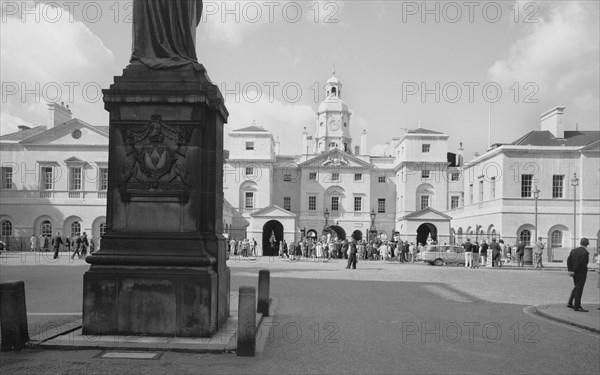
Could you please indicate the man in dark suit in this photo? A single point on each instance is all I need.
(520, 253)
(56, 242)
(495, 253)
(577, 266)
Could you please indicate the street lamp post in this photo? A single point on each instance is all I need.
(326, 216)
(574, 183)
(372, 230)
(536, 195)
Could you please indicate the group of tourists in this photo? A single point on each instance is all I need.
(242, 247)
(495, 253)
(78, 243)
(326, 248)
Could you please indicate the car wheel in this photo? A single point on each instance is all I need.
(438, 262)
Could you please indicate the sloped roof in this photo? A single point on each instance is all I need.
(28, 133)
(417, 214)
(23, 134)
(422, 131)
(252, 129)
(274, 211)
(320, 158)
(545, 138)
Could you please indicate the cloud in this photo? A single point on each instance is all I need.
(50, 60)
(232, 22)
(559, 53)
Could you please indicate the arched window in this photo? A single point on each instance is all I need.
(75, 229)
(46, 228)
(556, 238)
(525, 236)
(102, 229)
(6, 228)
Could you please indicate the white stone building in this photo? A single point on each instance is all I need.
(500, 189)
(336, 186)
(54, 179)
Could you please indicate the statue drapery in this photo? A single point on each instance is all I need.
(164, 32)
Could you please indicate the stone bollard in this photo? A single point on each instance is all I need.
(13, 315)
(264, 280)
(246, 329)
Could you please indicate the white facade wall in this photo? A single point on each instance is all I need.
(509, 213)
(27, 204)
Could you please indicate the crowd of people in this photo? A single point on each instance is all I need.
(326, 248)
(79, 245)
(479, 253)
(495, 253)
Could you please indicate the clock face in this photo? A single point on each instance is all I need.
(334, 124)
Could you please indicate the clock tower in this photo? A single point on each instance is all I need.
(333, 120)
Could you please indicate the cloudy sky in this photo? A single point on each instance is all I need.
(400, 62)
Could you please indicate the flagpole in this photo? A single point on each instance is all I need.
(490, 125)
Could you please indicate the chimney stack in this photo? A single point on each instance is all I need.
(363, 142)
(58, 114)
(552, 121)
(459, 155)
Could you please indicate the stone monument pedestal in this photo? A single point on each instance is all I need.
(162, 268)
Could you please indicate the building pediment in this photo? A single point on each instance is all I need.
(72, 132)
(273, 211)
(74, 160)
(427, 214)
(335, 159)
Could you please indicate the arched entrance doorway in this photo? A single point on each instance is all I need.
(337, 232)
(424, 231)
(311, 234)
(357, 235)
(271, 237)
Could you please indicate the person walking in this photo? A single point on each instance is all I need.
(56, 242)
(84, 244)
(352, 254)
(520, 253)
(577, 267)
(77, 248)
(46, 243)
(496, 253)
(538, 250)
(468, 246)
(67, 242)
(33, 242)
(232, 248)
(483, 250)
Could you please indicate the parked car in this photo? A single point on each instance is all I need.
(439, 255)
